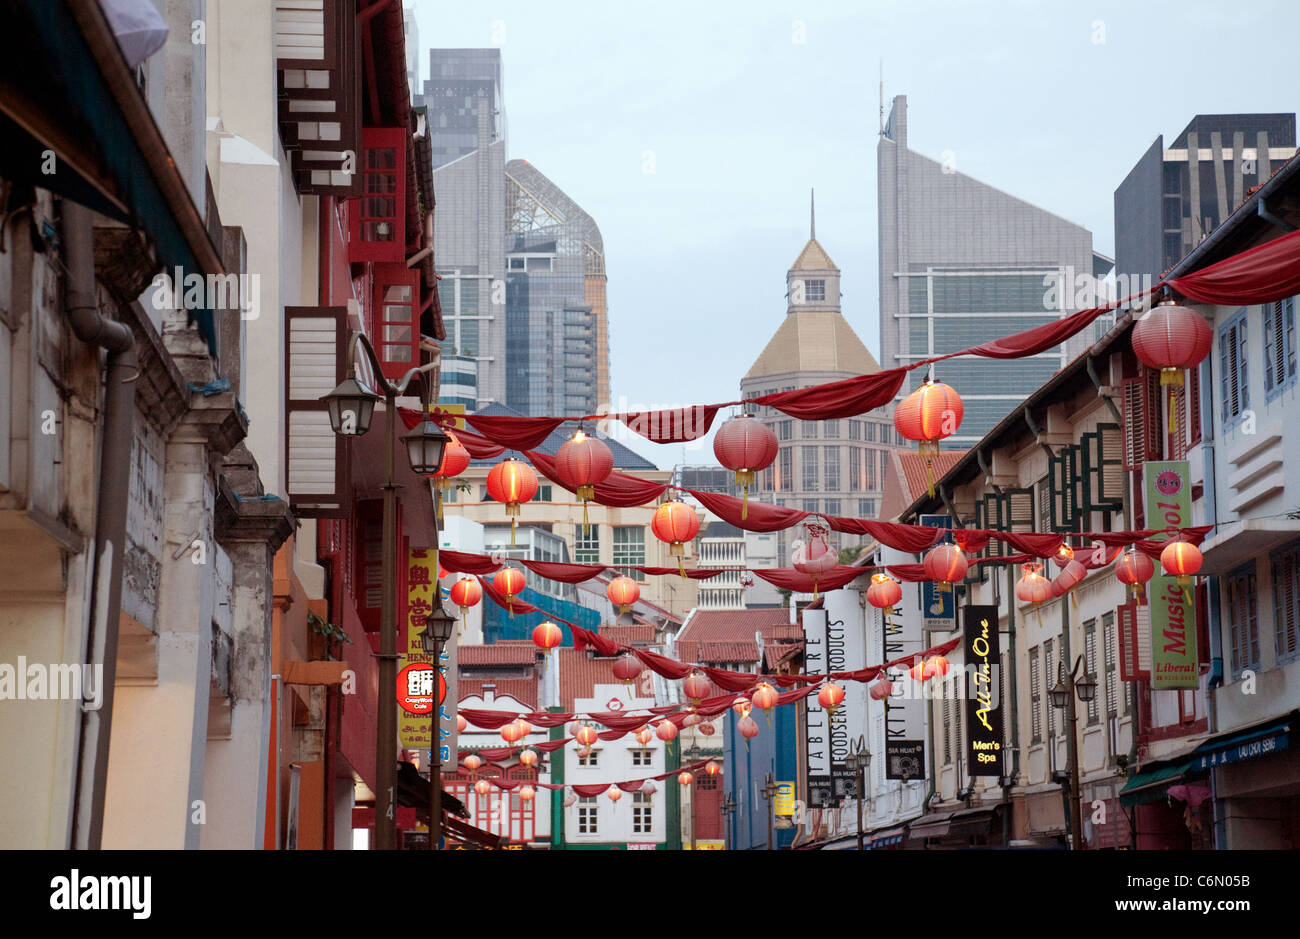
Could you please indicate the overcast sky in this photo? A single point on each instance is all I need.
(692, 132)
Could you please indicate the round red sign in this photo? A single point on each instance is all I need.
(415, 688)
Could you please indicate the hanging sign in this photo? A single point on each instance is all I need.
(1168, 502)
(415, 728)
(983, 707)
(938, 600)
(904, 711)
(844, 649)
(416, 687)
(817, 720)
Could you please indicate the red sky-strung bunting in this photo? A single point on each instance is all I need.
(1262, 274)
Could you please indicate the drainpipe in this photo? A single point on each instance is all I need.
(120, 372)
(1215, 625)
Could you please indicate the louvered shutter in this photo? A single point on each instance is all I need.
(1101, 458)
(1063, 489)
(1128, 621)
(1020, 510)
(316, 466)
(1193, 406)
(369, 531)
(1178, 430)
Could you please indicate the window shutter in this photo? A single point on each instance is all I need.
(1202, 598)
(1134, 427)
(1020, 510)
(1063, 481)
(370, 563)
(397, 318)
(1194, 405)
(1101, 459)
(377, 220)
(316, 465)
(1178, 430)
(1130, 658)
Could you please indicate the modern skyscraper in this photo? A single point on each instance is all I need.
(412, 31)
(962, 262)
(828, 467)
(557, 346)
(467, 125)
(1173, 198)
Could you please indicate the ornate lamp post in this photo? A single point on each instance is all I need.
(769, 791)
(858, 760)
(728, 809)
(351, 408)
(693, 756)
(438, 626)
(1063, 694)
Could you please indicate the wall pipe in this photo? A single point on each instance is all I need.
(120, 371)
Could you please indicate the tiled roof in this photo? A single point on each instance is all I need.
(776, 653)
(629, 635)
(523, 690)
(625, 458)
(498, 653)
(717, 651)
(907, 479)
(580, 674)
(735, 624)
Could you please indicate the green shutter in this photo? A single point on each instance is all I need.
(1101, 470)
(1063, 487)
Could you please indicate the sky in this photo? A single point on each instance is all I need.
(692, 133)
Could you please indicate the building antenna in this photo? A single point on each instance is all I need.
(882, 97)
(812, 214)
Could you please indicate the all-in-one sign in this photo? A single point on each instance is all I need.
(983, 707)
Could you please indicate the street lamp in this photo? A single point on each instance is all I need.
(770, 789)
(693, 756)
(728, 809)
(1062, 695)
(438, 626)
(351, 408)
(858, 760)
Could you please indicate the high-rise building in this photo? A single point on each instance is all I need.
(467, 125)
(1173, 197)
(829, 467)
(557, 346)
(962, 262)
(412, 37)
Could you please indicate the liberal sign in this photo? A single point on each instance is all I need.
(1168, 503)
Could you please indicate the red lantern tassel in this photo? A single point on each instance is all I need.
(1173, 411)
(681, 566)
(512, 531)
(744, 503)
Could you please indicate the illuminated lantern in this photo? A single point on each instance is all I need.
(1032, 587)
(570, 799)
(482, 787)
(472, 762)
(512, 733)
(649, 787)
(764, 697)
(528, 758)
(526, 793)
(685, 778)
(627, 668)
(815, 558)
(1064, 555)
(675, 523)
(1171, 338)
(830, 696)
(574, 727)
(936, 667)
(586, 736)
(1134, 569)
(623, 592)
(881, 689)
(929, 414)
(512, 482)
(707, 729)
(917, 671)
(665, 730)
(547, 636)
(884, 592)
(945, 563)
(1070, 575)
(748, 728)
(614, 793)
(455, 460)
(581, 464)
(696, 687)
(741, 706)
(509, 582)
(712, 768)
(745, 446)
(1182, 559)
(644, 736)
(461, 723)
(465, 593)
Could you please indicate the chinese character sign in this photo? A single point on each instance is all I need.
(415, 727)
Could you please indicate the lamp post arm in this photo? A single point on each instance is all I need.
(386, 388)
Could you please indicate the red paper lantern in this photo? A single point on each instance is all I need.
(764, 697)
(830, 696)
(482, 787)
(461, 723)
(1182, 559)
(929, 414)
(884, 592)
(706, 729)
(1032, 587)
(748, 727)
(573, 727)
(571, 799)
(512, 733)
(586, 735)
(946, 563)
(644, 736)
(690, 720)
(547, 636)
(675, 523)
(455, 460)
(814, 558)
(1070, 576)
(623, 592)
(472, 762)
(614, 793)
(512, 482)
(712, 768)
(526, 793)
(1171, 338)
(685, 778)
(528, 758)
(745, 446)
(509, 582)
(627, 667)
(696, 687)
(665, 730)
(1064, 555)
(881, 689)
(741, 706)
(1134, 569)
(582, 464)
(465, 593)
(936, 667)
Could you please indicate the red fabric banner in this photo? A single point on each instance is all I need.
(462, 562)
(761, 516)
(800, 582)
(912, 538)
(564, 573)
(1262, 274)
(661, 664)
(619, 490)
(843, 398)
(676, 425)
(514, 432)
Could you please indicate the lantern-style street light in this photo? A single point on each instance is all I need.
(769, 790)
(728, 809)
(1062, 695)
(351, 408)
(858, 760)
(438, 627)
